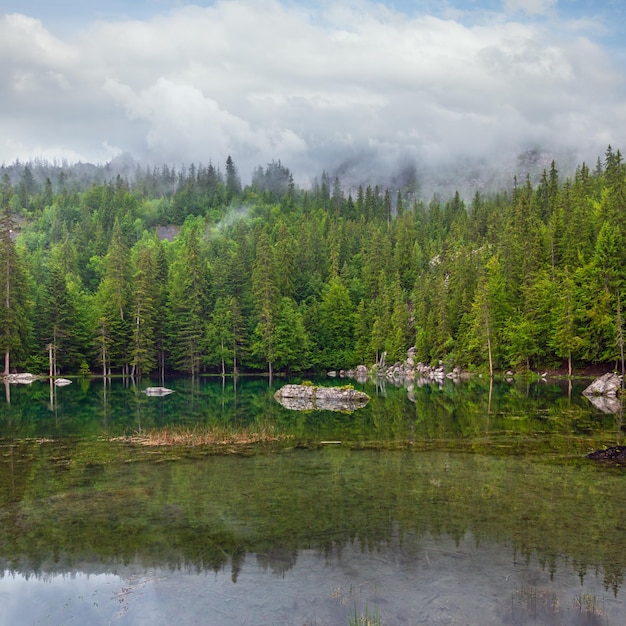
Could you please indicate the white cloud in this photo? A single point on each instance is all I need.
(261, 80)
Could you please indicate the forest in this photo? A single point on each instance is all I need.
(188, 271)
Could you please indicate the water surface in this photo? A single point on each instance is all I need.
(460, 505)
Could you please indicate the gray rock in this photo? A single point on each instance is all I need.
(605, 404)
(608, 384)
(308, 398)
(157, 391)
(21, 379)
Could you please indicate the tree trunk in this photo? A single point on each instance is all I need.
(7, 304)
(488, 340)
(223, 360)
(620, 333)
(49, 347)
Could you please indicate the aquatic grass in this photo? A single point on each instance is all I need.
(206, 435)
(587, 603)
(532, 602)
(366, 618)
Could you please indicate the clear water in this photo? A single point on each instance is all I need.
(460, 505)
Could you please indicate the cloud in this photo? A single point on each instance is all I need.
(182, 120)
(263, 80)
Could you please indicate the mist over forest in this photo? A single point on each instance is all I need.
(420, 178)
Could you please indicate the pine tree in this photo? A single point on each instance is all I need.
(220, 335)
(266, 301)
(14, 314)
(335, 336)
(566, 340)
(233, 183)
(187, 298)
(59, 318)
(143, 353)
(160, 307)
(291, 344)
(490, 310)
(113, 301)
(399, 339)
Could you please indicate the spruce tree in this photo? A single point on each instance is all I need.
(14, 310)
(266, 301)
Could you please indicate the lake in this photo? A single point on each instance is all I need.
(463, 504)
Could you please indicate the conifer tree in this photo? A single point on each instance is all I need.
(220, 335)
(266, 301)
(335, 336)
(187, 304)
(233, 183)
(143, 353)
(399, 339)
(113, 302)
(58, 320)
(14, 313)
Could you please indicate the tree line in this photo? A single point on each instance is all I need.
(190, 271)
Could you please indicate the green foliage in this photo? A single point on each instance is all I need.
(271, 276)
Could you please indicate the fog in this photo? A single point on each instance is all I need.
(359, 89)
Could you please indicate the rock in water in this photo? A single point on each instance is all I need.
(21, 379)
(616, 454)
(309, 398)
(608, 384)
(157, 391)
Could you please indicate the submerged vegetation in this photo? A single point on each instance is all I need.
(191, 271)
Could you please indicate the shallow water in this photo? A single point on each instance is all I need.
(450, 584)
(460, 507)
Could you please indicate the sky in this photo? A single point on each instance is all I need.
(336, 86)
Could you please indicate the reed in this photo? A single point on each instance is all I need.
(366, 619)
(207, 436)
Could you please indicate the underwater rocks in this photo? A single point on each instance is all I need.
(617, 454)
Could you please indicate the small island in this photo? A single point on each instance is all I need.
(309, 398)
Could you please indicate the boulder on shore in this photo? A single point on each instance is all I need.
(309, 398)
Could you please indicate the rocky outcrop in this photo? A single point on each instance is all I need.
(157, 391)
(62, 382)
(309, 398)
(608, 384)
(603, 393)
(407, 372)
